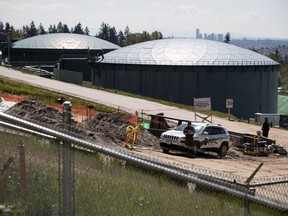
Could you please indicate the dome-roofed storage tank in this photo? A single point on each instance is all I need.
(183, 69)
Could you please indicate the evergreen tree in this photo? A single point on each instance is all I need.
(121, 39)
(227, 38)
(65, 29)
(104, 31)
(41, 30)
(7, 27)
(86, 31)
(25, 31)
(52, 29)
(1, 27)
(32, 30)
(126, 32)
(113, 35)
(60, 28)
(78, 29)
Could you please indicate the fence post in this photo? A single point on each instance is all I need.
(2, 178)
(68, 175)
(22, 169)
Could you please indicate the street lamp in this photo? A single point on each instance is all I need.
(8, 43)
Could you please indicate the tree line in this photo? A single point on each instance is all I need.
(283, 71)
(106, 32)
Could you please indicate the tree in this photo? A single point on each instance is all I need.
(7, 27)
(227, 38)
(156, 35)
(60, 28)
(276, 56)
(25, 31)
(65, 29)
(52, 29)
(126, 32)
(121, 38)
(104, 31)
(32, 30)
(283, 73)
(1, 27)
(78, 29)
(86, 31)
(41, 30)
(113, 35)
(145, 36)
(133, 38)
(254, 49)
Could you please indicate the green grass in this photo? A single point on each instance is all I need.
(46, 96)
(106, 186)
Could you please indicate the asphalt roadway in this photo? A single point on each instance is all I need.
(131, 104)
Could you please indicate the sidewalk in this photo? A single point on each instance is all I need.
(131, 105)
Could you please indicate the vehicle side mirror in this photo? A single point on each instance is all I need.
(205, 133)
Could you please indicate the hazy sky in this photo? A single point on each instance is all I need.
(178, 18)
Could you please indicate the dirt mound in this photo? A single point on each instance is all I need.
(113, 128)
(108, 129)
(35, 111)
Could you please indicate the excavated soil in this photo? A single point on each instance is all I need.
(108, 129)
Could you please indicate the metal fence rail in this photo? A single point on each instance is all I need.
(199, 182)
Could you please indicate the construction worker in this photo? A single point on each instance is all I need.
(266, 127)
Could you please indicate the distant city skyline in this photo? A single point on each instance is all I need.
(212, 36)
(257, 18)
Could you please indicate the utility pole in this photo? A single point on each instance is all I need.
(8, 44)
(8, 40)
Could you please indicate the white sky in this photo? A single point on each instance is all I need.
(178, 18)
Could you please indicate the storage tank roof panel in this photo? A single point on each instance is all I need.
(64, 40)
(186, 52)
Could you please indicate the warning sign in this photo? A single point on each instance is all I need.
(202, 103)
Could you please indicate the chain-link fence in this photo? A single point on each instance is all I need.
(55, 171)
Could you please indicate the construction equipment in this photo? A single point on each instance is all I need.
(132, 131)
(257, 148)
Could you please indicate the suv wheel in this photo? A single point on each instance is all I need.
(165, 150)
(223, 150)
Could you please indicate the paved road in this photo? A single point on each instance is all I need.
(131, 105)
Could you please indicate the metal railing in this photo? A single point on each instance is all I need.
(189, 63)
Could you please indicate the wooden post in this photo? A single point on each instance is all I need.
(22, 169)
(2, 179)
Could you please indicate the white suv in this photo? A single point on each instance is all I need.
(208, 137)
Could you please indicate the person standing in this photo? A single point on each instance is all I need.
(265, 127)
(189, 132)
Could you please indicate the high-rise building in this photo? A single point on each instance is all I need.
(220, 37)
(197, 33)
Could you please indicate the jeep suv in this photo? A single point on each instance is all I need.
(207, 137)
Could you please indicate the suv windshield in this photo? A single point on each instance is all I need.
(197, 128)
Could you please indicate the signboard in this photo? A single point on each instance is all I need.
(229, 103)
(202, 103)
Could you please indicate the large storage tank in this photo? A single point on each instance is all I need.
(183, 69)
